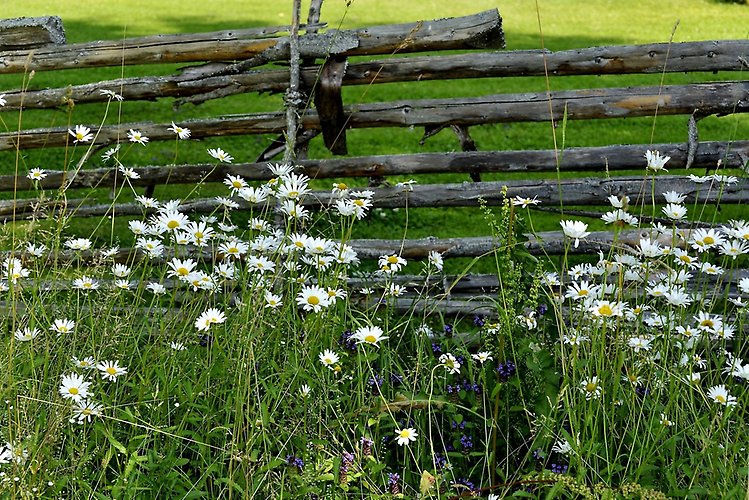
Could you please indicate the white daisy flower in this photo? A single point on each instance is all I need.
(719, 394)
(110, 370)
(328, 358)
(369, 335)
(75, 387)
(81, 134)
(182, 132)
(137, 136)
(221, 155)
(406, 436)
(313, 298)
(209, 317)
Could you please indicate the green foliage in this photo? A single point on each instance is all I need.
(272, 402)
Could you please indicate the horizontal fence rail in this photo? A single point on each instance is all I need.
(482, 30)
(581, 191)
(708, 56)
(612, 158)
(708, 98)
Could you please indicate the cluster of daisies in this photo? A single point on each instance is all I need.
(267, 256)
(77, 387)
(660, 297)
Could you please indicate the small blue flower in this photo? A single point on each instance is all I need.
(295, 462)
(346, 341)
(506, 370)
(466, 442)
(559, 468)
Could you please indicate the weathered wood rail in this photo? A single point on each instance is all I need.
(482, 30)
(236, 61)
(583, 191)
(712, 56)
(709, 98)
(622, 157)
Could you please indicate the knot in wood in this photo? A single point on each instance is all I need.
(293, 98)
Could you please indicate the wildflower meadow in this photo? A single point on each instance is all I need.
(229, 357)
(250, 352)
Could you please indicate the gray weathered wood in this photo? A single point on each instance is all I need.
(709, 98)
(549, 242)
(621, 157)
(24, 33)
(583, 191)
(482, 30)
(685, 57)
(723, 55)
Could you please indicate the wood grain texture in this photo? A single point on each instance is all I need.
(709, 98)
(617, 157)
(482, 30)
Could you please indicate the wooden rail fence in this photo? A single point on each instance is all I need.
(237, 61)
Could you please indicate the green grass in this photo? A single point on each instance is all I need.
(562, 26)
(226, 416)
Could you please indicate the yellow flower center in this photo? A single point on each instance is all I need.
(708, 323)
(582, 293)
(720, 398)
(73, 391)
(172, 224)
(293, 194)
(359, 203)
(405, 433)
(111, 370)
(182, 271)
(708, 240)
(236, 184)
(686, 258)
(605, 310)
(313, 300)
(392, 259)
(591, 386)
(370, 338)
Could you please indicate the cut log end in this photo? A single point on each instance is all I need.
(25, 33)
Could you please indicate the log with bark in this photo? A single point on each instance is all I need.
(710, 98)
(597, 159)
(579, 191)
(482, 30)
(711, 56)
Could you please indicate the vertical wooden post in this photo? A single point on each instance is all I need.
(313, 18)
(293, 97)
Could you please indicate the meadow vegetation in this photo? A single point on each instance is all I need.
(232, 357)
